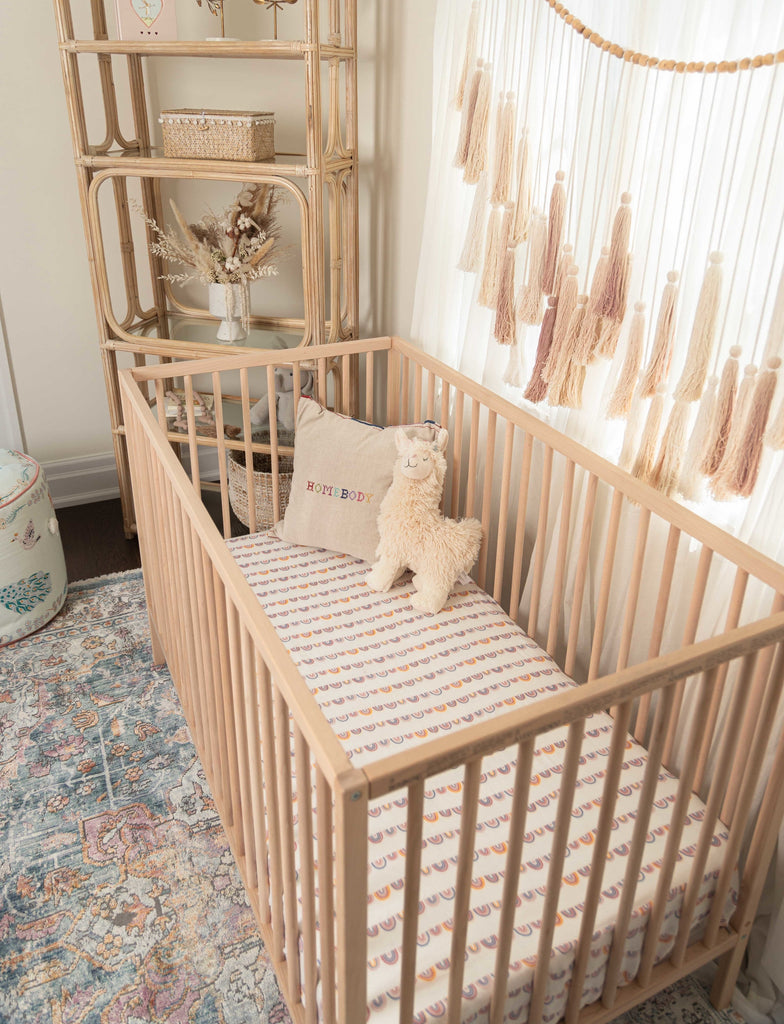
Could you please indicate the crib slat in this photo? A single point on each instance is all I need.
(657, 631)
(541, 541)
(443, 408)
(417, 411)
(286, 833)
(306, 874)
(404, 391)
(487, 496)
(519, 541)
(472, 458)
(193, 449)
(224, 485)
(633, 594)
(634, 858)
(724, 761)
(581, 573)
(465, 857)
(503, 512)
(219, 757)
(606, 584)
(321, 382)
(733, 617)
(689, 633)
(238, 684)
(430, 407)
(266, 715)
(414, 821)
(326, 896)
(247, 433)
(225, 704)
(202, 638)
(351, 836)
(256, 773)
(514, 853)
(677, 820)
(555, 870)
(622, 717)
(457, 452)
(560, 565)
(274, 460)
(393, 389)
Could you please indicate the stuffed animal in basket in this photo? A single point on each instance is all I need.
(414, 534)
(284, 396)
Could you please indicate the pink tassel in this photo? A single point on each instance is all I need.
(661, 356)
(716, 438)
(529, 301)
(567, 303)
(616, 285)
(746, 470)
(554, 233)
(564, 264)
(703, 333)
(734, 453)
(589, 333)
(566, 387)
(468, 108)
(537, 386)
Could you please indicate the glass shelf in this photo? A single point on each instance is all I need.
(202, 332)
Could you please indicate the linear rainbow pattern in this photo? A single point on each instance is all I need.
(386, 677)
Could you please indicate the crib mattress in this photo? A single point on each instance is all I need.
(386, 677)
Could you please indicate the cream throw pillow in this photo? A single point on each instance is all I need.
(342, 470)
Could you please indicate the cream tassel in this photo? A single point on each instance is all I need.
(661, 355)
(504, 152)
(476, 160)
(564, 263)
(631, 436)
(621, 398)
(690, 484)
(646, 453)
(468, 56)
(505, 323)
(747, 467)
(589, 333)
(716, 438)
(554, 233)
(523, 199)
(666, 472)
(529, 301)
(703, 333)
(775, 436)
(616, 284)
(471, 256)
(488, 289)
(734, 453)
(537, 387)
(469, 106)
(567, 303)
(514, 375)
(567, 387)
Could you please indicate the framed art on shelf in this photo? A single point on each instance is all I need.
(146, 19)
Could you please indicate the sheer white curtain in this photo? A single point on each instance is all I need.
(702, 156)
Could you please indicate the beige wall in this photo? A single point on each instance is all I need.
(45, 292)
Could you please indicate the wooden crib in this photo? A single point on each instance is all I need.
(605, 605)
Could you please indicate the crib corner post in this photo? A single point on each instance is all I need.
(351, 847)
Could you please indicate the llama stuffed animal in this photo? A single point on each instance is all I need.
(414, 535)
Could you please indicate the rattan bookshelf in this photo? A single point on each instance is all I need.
(321, 182)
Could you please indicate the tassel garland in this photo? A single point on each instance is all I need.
(468, 56)
(469, 106)
(564, 264)
(661, 355)
(529, 301)
(667, 471)
(646, 453)
(554, 233)
(537, 386)
(476, 158)
(589, 333)
(523, 198)
(621, 398)
(566, 388)
(567, 303)
(747, 468)
(488, 288)
(616, 283)
(734, 452)
(504, 151)
(471, 256)
(703, 333)
(505, 324)
(716, 438)
(690, 484)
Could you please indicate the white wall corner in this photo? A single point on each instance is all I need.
(83, 480)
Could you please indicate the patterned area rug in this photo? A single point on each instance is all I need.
(119, 899)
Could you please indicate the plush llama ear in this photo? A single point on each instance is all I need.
(401, 440)
(443, 439)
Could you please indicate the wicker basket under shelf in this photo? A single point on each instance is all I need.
(262, 487)
(218, 134)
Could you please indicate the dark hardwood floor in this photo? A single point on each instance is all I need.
(94, 542)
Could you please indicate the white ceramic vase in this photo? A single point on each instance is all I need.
(226, 304)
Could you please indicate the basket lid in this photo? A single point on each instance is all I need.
(195, 115)
(18, 473)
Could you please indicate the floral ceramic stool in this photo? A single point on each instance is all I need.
(33, 581)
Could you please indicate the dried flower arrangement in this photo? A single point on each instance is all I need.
(235, 247)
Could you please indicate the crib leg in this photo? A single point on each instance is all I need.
(158, 653)
(727, 975)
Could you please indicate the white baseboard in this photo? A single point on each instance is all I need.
(82, 480)
(90, 478)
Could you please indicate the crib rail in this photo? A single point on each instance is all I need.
(615, 581)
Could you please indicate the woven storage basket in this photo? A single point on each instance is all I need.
(262, 487)
(218, 134)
